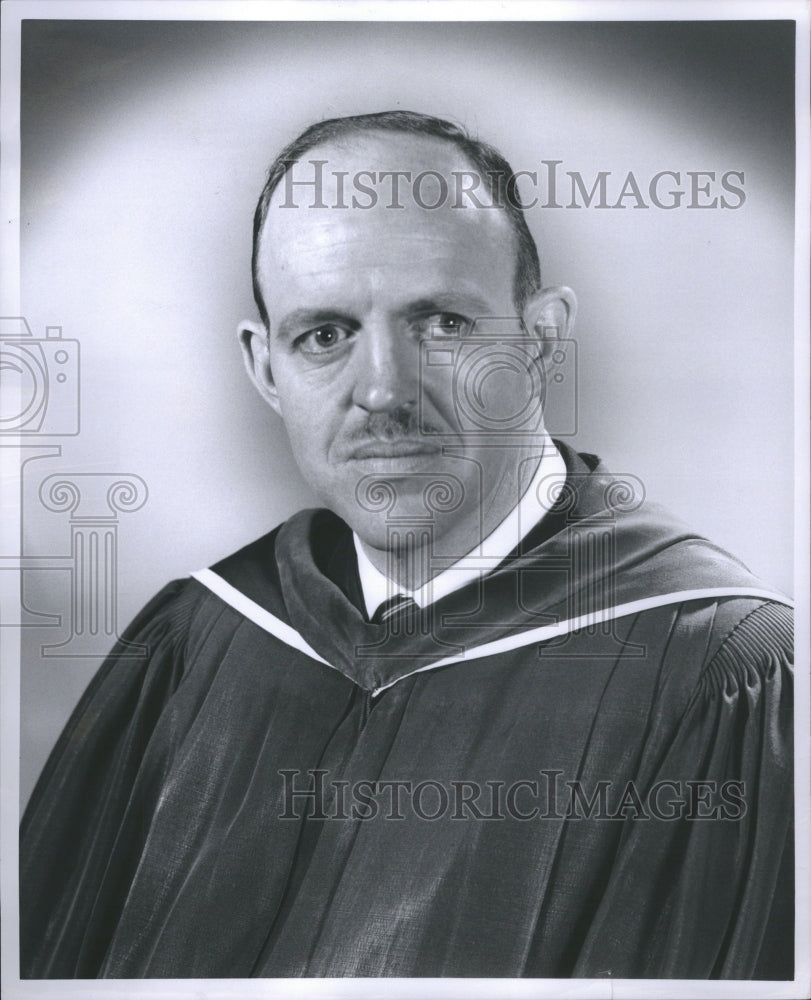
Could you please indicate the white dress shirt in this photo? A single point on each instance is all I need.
(534, 503)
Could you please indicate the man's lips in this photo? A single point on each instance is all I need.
(397, 448)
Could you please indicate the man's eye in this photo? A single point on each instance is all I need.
(322, 339)
(444, 325)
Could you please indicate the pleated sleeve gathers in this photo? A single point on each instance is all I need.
(709, 893)
(74, 818)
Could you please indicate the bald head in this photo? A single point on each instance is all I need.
(466, 165)
(383, 230)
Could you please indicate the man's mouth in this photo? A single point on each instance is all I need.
(397, 448)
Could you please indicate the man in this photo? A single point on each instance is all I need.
(489, 713)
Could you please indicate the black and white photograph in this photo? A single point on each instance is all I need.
(405, 488)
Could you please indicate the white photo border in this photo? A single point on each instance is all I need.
(13, 12)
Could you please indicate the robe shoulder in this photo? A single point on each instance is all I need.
(136, 679)
(84, 790)
(151, 652)
(750, 638)
(709, 892)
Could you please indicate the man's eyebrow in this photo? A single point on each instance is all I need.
(449, 302)
(308, 318)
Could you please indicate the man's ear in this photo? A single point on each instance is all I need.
(549, 316)
(253, 339)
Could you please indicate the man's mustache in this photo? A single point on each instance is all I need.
(392, 425)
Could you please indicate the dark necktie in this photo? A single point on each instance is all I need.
(394, 609)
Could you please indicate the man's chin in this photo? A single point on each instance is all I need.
(383, 496)
(373, 529)
(385, 529)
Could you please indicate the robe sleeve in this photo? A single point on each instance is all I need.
(75, 813)
(693, 897)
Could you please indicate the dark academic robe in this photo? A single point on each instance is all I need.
(580, 766)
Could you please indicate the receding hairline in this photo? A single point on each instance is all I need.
(459, 160)
(473, 151)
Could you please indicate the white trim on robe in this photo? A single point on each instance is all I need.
(288, 635)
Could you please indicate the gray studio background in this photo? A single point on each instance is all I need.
(144, 148)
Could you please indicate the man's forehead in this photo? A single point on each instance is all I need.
(346, 165)
(372, 195)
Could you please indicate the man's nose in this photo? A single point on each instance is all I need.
(386, 370)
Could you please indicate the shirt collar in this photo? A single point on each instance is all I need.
(536, 500)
